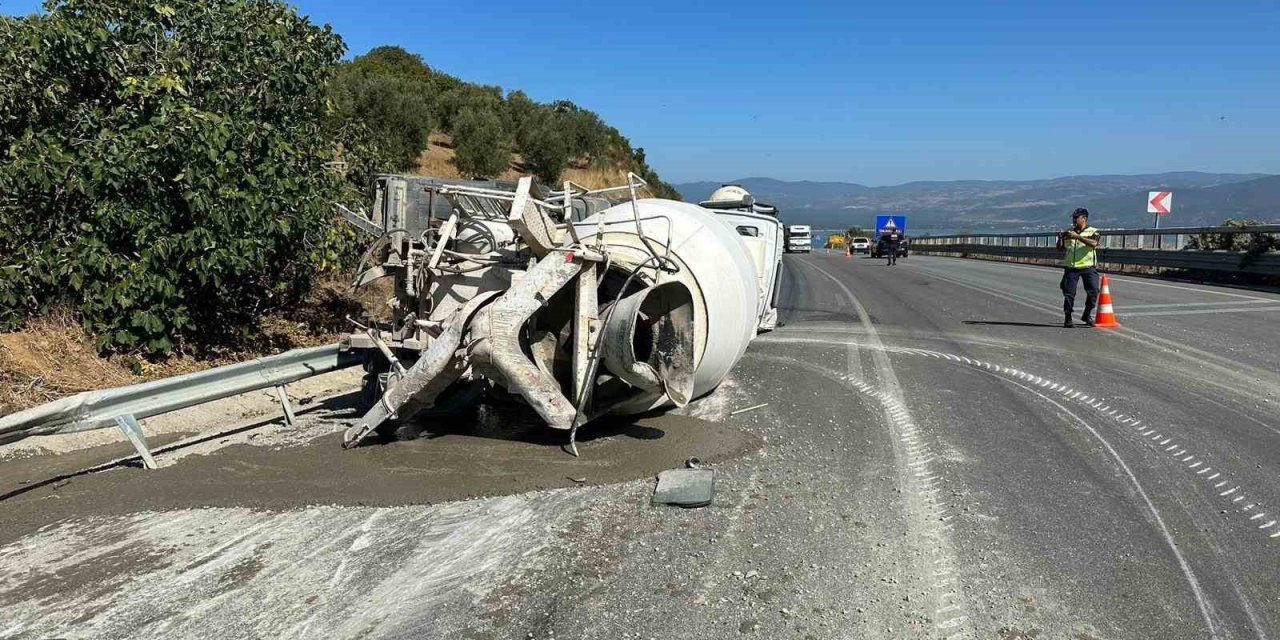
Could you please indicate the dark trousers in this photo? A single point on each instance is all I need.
(893, 254)
(1068, 285)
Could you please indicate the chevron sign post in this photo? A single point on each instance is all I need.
(1159, 203)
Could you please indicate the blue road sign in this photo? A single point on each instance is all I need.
(884, 224)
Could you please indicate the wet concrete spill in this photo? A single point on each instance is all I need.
(488, 452)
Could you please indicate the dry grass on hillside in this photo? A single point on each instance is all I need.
(52, 356)
(437, 161)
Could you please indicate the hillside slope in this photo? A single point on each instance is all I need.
(1251, 200)
(437, 160)
(405, 116)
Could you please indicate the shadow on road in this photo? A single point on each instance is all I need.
(498, 420)
(1013, 324)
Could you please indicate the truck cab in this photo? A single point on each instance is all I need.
(757, 225)
(799, 238)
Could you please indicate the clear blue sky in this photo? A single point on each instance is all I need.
(879, 93)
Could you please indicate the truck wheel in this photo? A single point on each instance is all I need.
(374, 382)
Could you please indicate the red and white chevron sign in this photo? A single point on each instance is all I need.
(1160, 202)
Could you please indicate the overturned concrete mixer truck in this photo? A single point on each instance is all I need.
(582, 302)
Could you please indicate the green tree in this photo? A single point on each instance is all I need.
(395, 110)
(520, 110)
(165, 164)
(480, 144)
(393, 61)
(467, 98)
(588, 135)
(545, 145)
(1254, 243)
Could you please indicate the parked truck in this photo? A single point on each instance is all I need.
(799, 238)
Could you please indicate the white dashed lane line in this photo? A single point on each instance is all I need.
(1166, 442)
(1168, 446)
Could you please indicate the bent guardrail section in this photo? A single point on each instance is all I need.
(122, 407)
(1161, 248)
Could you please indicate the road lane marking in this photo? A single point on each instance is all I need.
(1245, 374)
(1179, 305)
(1070, 394)
(1050, 271)
(1187, 573)
(1196, 312)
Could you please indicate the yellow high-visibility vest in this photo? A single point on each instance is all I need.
(1079, 254)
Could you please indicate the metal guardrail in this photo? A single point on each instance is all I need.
(1162, 248)
(122, 407)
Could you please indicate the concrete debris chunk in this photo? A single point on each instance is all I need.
(688, 488)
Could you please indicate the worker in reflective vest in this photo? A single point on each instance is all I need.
(1081, 263)
(892, 242)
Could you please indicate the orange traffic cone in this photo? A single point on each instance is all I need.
(1106, 314)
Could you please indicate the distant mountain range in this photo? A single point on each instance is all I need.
(1113, 200)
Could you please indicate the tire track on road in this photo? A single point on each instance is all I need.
(1157, 440)
(915, 477)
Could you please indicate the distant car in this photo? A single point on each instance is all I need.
(882, 248)
(860, 245)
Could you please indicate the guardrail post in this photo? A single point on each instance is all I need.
(284, 404)
(133, 431)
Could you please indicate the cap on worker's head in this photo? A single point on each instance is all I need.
(1079, 212)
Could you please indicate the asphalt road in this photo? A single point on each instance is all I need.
(1141, 508)
(939, 459)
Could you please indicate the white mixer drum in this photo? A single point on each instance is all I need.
(714, 264)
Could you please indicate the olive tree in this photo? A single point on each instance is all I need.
(163, 164)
